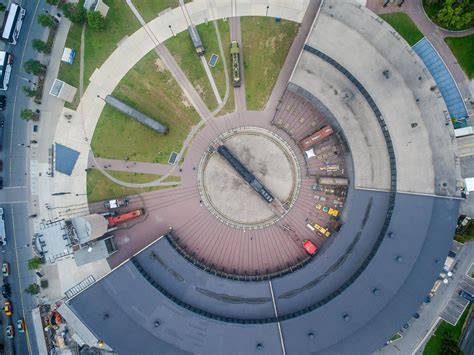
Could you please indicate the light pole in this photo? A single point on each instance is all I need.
(169, 26)
(266, 13)
(26, 79)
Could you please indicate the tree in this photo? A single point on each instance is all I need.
(29, 92)
(46, 21)
(75, 12)
(456, 14)
(34, 67)
(95, 20)
(449, 345)
(52, 2)
(2, 7)
(40, 46)
(35, 262)
(33, 289)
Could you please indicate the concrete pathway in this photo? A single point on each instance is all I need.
(224, 62)
(129, 166)
(81, 67)
(203, 58)
(435, 35)
(211, 79)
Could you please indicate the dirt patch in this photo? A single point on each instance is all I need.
(199, 89)
(185, 101)
(160, 66)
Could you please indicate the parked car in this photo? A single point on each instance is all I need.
(466, 295)
(7, 308)
(10, 331)
(1, 183)
(3, 102)
(5, 269)
(20, 324)
(6, 290)
(116, 203)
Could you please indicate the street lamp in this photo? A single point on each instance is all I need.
(169, 26)
(26, 79)
(266, 13)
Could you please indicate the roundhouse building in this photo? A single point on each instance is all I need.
(360, 291)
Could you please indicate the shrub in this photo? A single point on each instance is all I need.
(29, 92)
(35, 262)
(95, 20)
(33, 289)
(46, 21)
(40, 46)
(44, 283)
(34, 67)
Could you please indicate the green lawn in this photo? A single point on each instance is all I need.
(70, 73)
(432, 8)
(182, 49)
(150, 88)
(265, 44)
(224, 31)
(434, 346)
(149, 9)
(403, 24)
(99, 46)
(100, 188)
(463, 50)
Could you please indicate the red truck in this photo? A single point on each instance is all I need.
(316, 137)
(124, 217)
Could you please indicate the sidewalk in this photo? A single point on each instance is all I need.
(131, 166)
(435, 35)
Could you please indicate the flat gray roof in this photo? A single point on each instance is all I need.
(421, 227)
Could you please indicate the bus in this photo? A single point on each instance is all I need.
(12, 23)
(6, 61)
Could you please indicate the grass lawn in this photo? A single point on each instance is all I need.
(434, 346)
(70, 73)
(265, 45)
(99, 46)
(149, 9)
(100, 188)
(182, 49)
(432, 10)
(150, 88)
(224, 31)
(403, 24)
(463, 50)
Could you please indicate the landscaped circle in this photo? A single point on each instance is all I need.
(229, 197)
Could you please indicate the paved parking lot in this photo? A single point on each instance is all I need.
(457, 304)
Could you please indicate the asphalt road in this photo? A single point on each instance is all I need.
(14, 197)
